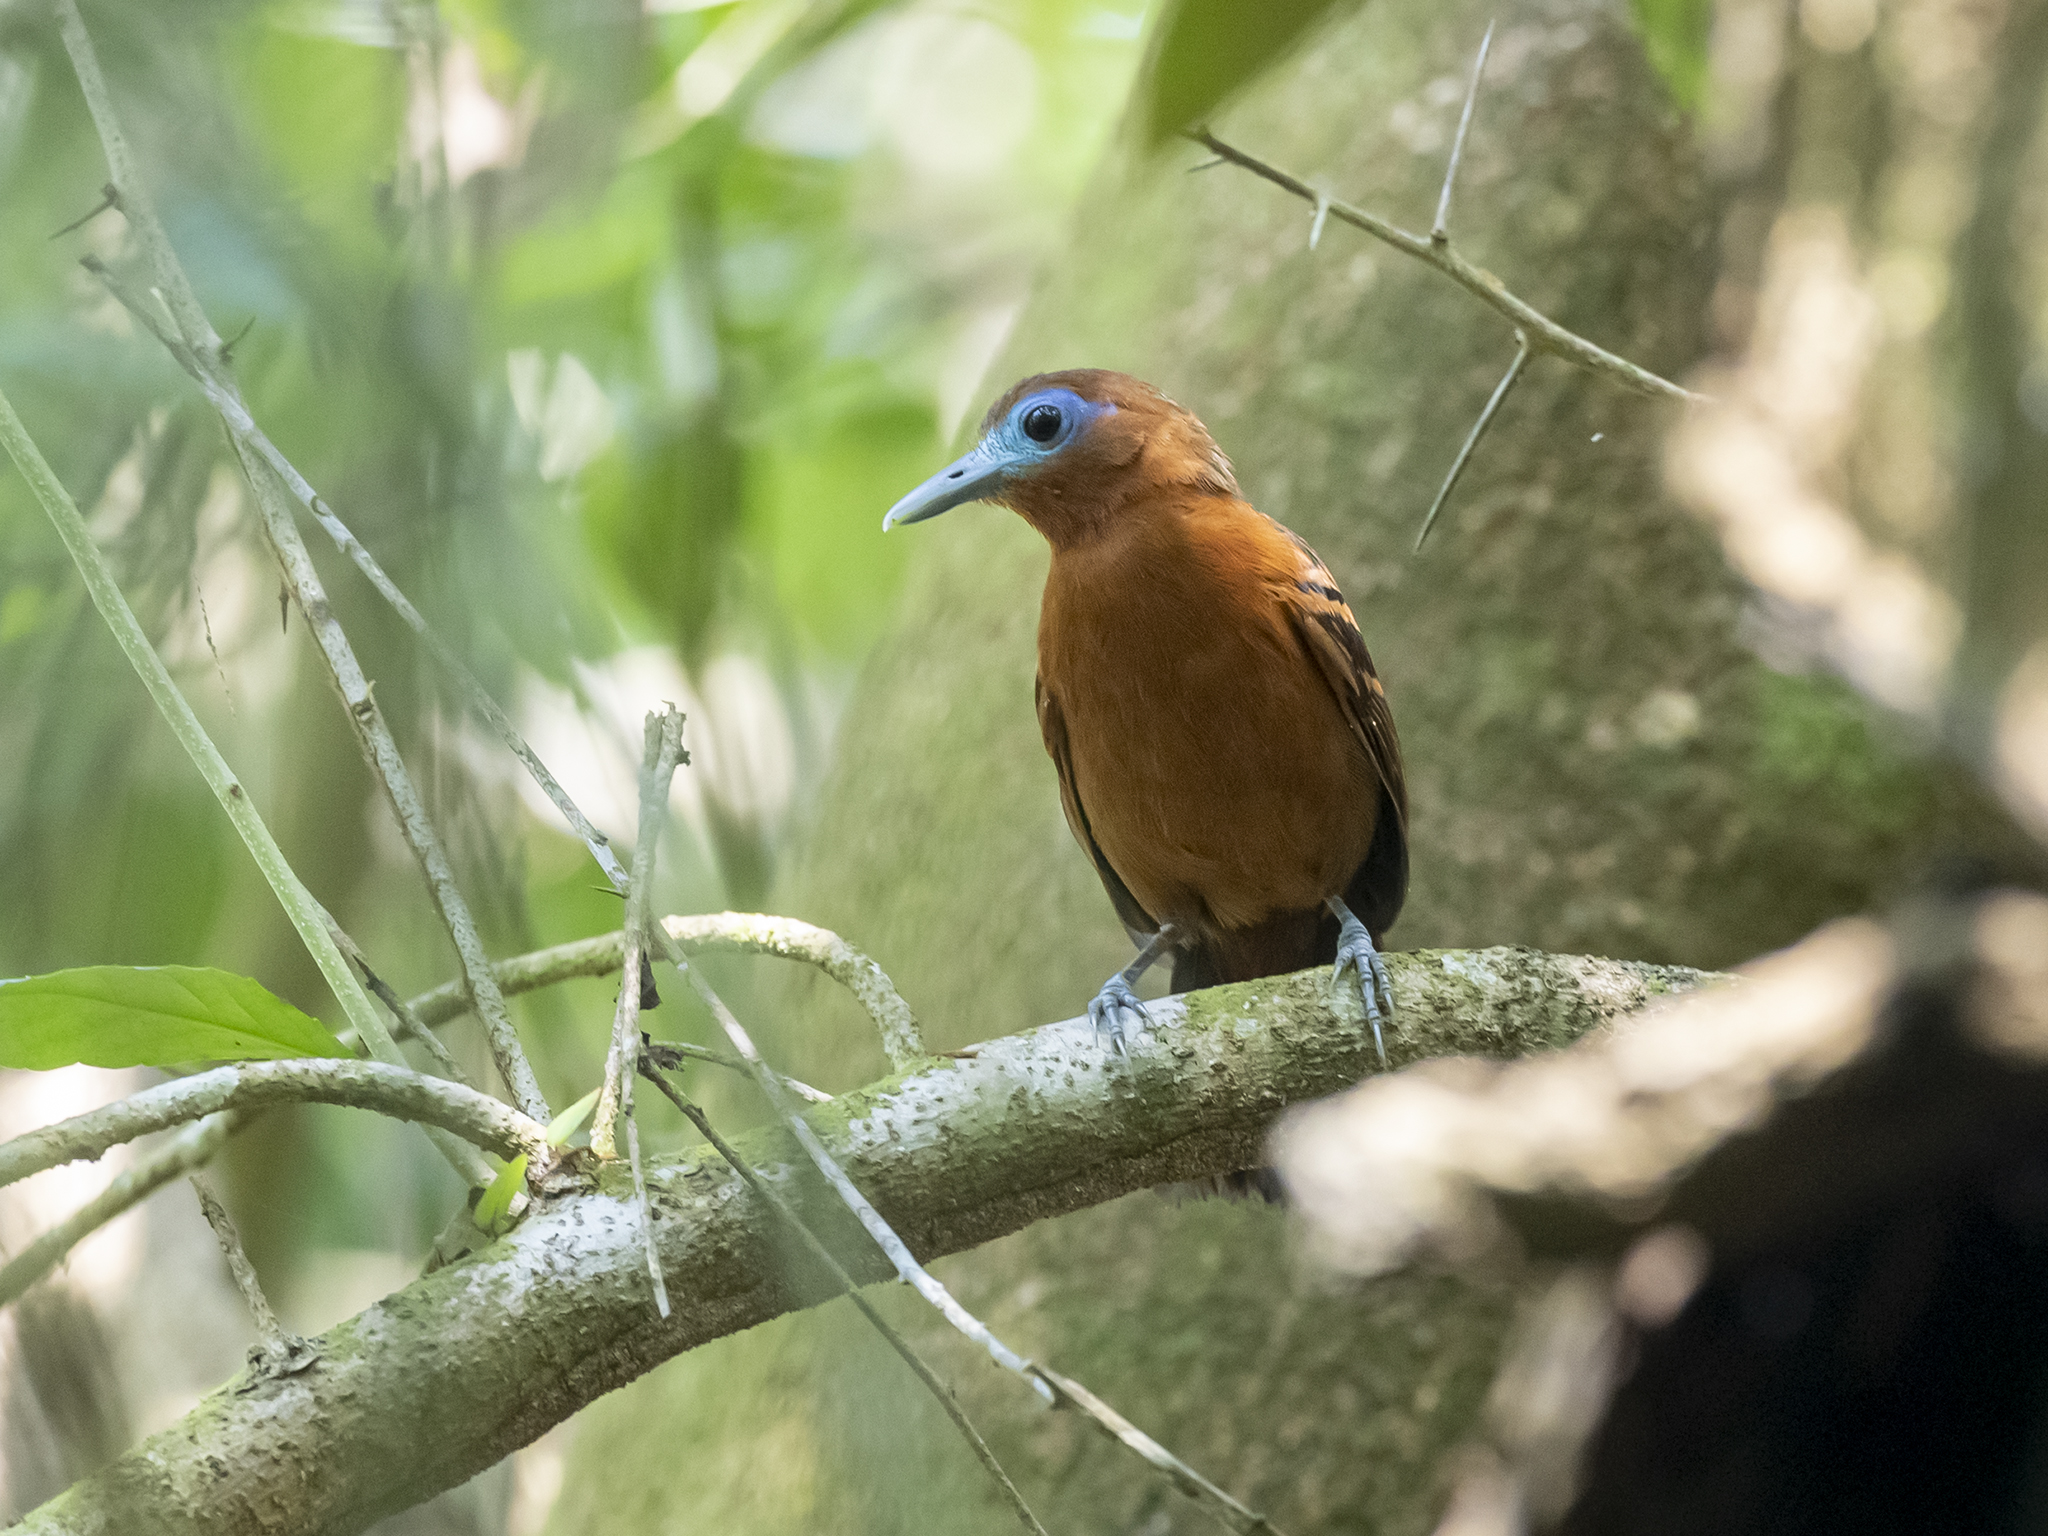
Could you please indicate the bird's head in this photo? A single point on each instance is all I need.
(1069, 452)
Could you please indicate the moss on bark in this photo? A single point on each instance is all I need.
(1596, 760)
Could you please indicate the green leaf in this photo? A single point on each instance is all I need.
(1207, 50)
(570, 1120)
(1675, 35)
(493, 1213)
(150, 1016)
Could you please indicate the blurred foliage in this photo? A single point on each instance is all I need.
(610, 328)
(1675, 35)
(1204, 51)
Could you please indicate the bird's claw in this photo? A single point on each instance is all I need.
(1108, 1009)
(1356, 950)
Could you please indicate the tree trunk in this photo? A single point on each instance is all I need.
(1596, 763)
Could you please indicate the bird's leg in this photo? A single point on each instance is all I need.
(1106, 1010)
(1355, 949)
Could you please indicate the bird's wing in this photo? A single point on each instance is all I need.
(1328, 631)
(1326, 628)
(1052, 725)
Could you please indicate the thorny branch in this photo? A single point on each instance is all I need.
(1545, 334)
(273, 504)
(782, 1208)
(1534, 331)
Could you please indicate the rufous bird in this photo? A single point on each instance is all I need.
(1225, 751)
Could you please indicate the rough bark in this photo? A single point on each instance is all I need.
(437, 1382)
(1596, 762)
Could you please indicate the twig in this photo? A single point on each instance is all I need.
(109, 198)
(1500, 393)
(191, 1148)
(670, 1055)
(307, 916)
(1190, 1482)
(722, 933)
(782, 1208)
(1545, 334)
(276, 1352)
(1322, 217)
(399, 1092)
(241, 424)
(921, 1279)
(1441, 230)
(898, 1252)
(408, 1022)
(662, 749)
(380, 750)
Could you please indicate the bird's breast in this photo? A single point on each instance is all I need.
(1217, 773)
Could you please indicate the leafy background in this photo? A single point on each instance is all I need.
(611, 330)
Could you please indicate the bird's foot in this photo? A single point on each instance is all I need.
(1356, 950)
(1108, 1009)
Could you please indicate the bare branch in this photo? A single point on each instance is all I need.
(1545, 334)
(277, 1353)
(782, 1208)
(398, 1092)
(1237, 1517)
(273, 502)
(191, 1148)
(221, 393)
(1500, 393)
(908, 1269)
(1441, 230)
(307, 916)
(716, 933)
(662, 751)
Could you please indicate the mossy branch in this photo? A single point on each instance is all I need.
(954, 1153)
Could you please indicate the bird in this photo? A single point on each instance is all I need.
(1225, 749)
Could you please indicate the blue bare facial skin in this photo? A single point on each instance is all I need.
(1036, 428)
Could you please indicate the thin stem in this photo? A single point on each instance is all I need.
(267, 1327)
(444, 1062)
(398, 1092)
(307, 916)
(1500, 393)
(1545, 334)
(193, 1147)
(663, 749)
(278, 1353)
(720, 933)
(1236, 1516)
(224, 398)
(131, 193)
(672, 1054)
(274, 502)
(782, 1208)
(1441, 230)
(913, 1273)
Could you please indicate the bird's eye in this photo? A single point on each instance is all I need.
(1042, 423)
